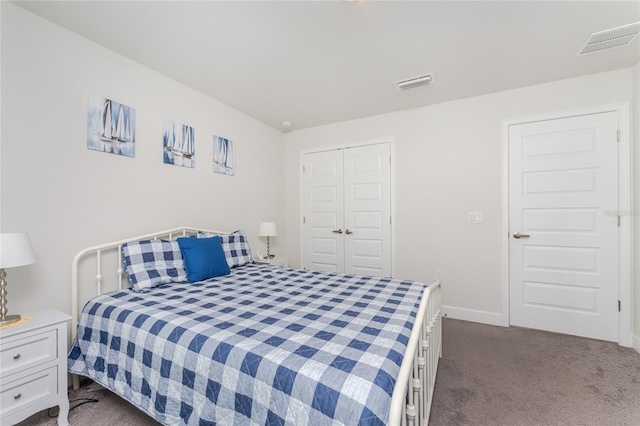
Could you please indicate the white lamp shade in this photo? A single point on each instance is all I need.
(267, 229)
(15, 250)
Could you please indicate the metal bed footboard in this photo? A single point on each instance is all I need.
(413, 392)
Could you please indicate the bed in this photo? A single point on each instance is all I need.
(257, 345)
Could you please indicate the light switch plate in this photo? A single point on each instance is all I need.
(475, 217)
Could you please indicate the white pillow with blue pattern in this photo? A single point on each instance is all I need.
(150, 263)
(236, 247)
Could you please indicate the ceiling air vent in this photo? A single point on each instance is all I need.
(610, 39)
(412, 82)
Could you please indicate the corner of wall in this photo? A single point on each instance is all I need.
(635, 247)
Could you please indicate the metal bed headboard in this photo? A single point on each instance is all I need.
(99, 250)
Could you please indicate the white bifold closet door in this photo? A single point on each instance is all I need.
(347, 210)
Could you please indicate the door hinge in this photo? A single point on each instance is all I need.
(304, 219)
(302, 169)
(619, 306)
(618, 221)
(389, 160)
(618, 135)
(389, 220)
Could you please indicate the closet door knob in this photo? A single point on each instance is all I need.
(348, 232)
(337, 231)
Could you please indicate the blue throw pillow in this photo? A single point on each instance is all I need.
(203, 258)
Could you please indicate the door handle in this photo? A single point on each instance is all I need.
(348, 232)
(519, 235)
(338, 231)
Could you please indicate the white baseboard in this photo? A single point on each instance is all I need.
(492, 318)
(483, 317)
(636, 342)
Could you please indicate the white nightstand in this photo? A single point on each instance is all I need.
(33, 367)
(280, 262)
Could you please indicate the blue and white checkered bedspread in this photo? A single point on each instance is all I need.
(262, 346)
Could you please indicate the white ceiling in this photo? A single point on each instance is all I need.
(320, 62)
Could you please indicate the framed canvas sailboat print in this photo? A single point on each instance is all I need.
(111, 127)
(179, 144)
(223, 156)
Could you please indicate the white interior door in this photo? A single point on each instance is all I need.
(323, 183)
(367, 183)
(562, 183)
(347, 210)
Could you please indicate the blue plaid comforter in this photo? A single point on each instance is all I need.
(262, 346)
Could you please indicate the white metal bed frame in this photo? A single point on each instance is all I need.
(413, 392)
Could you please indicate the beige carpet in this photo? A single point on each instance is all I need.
(512, 376)
(488, 376)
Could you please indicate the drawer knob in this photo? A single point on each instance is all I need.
(16, 356)
(17, 396)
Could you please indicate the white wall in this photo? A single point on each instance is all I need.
(448, 159)
(68, 197)
(635, 150)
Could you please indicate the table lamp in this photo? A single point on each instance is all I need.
(15, 250)
(268, 229)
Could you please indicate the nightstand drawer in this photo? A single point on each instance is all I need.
(27, 390)
(19, 354)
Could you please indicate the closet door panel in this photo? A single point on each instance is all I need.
(367, 210)
(323, 183)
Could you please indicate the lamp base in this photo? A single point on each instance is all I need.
(9, 319)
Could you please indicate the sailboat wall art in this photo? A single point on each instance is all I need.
(179, 144)
(223, 156)
(111, 127)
